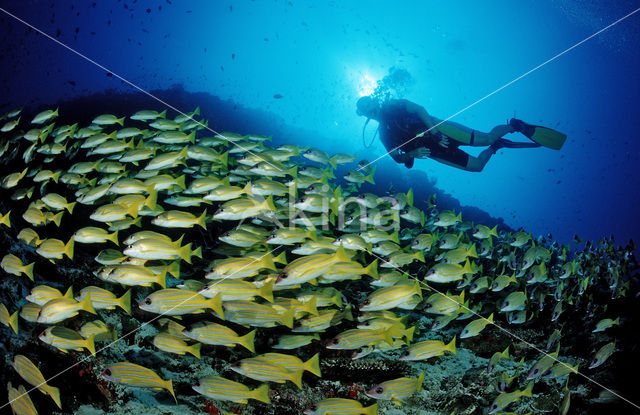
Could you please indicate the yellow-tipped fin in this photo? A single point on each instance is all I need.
(68, 293)
(180, 182)
(261, 393)
(202, 220)
(369, 177)
(5, 219)
(169, 387)
(174, 269)
(451, 346)
(420, 382)
(287, 318)
(215, 304)
(266, 291)
(372, 269)
(370, 410)
(28, 270)
(86, 305)
(161, 278)
(247, 341)
(13, 321)
(114, 237)
(89, 344)
(125, 302)
(310, 306)
(57, 218)
(296, 378)
(195, 350)
(68, 248)
(313, 365)
(70, 206)
(152, 200)
(54, 393)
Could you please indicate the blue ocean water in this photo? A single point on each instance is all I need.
(308, 62)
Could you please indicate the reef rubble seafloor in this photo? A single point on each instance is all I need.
(565, 291)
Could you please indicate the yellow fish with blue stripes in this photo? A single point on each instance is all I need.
(32, 375)
(397, 390)
(131, 374)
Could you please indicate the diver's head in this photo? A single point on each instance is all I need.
(368, 106)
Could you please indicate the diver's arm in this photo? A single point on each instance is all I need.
(401, 157)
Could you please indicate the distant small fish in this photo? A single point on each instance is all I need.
(278, 96)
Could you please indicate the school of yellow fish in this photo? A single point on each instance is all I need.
(288, 242)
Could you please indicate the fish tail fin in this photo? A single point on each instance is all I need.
(333, 161)
(215, 304)
(197, 252)
(452, 346)
(28, 270)
(471, 252)
(151, 200)
(490, 318)
(347, 314)
(114, 237)
(311, 306)
(287, 318)
(57, 218)
(69, 293)
(267, 262)
(370, 410)
(419, 256)
(180, 182)
(395, 237)
(163, 114)
(195, 350)
(70, 206)
(120, 121)
(266, 291)
(337, 299)
(125, 302)
(296, 378)
(162, 278)
(56, 176)
(369, 177)
(261, 393)
(202, 220)
(55, 395)
(169, 387)
(6, 219)
(192, 137)
(68, 248)
(183, 153)
(247, 341)
(174, 269)
(13, 321)
(420, 381)
(185, 253)
(528, 390)
(372, 269)
(90, 345)
(408, 334)
(313, 365)
(87, 305)
(341, 255)
(247, 189)
(281, 258)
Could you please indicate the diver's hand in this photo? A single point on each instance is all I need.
(420, 153)
(443, 141)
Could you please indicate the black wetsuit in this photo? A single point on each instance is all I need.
(397, 127)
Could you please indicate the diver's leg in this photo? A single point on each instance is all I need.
(476, 164)
(481, 139)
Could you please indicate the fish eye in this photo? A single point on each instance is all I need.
(366, 323)
(493, 407)
(313, 407)
(147, 301)
(379, 389)
(236, 364)
(535, 371)
(335, 341)
(282, 275)
(506, 303)
(366, 302)
(107, 372)
(404, 354)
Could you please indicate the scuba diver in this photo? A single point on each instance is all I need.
(403, 129)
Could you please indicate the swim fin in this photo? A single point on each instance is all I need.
(542, 135)
(503, 142)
